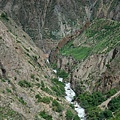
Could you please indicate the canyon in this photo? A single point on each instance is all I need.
(78, 38)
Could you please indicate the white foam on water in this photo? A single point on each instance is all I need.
(48, 61)
(60, 79)
(55, 71)
(70, 94)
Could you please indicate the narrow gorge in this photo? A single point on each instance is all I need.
(60, 60)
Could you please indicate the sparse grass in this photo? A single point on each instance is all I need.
(24, 83)
(32, 76)
(101, 35)
(6, 113)
(4, 16)
(45, 115)
(58, 87)
(0, 37)
(56, 106)
(22, 101)
(8, 90)
(62, 74)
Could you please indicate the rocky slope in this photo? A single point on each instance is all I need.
(54, 19)
(28, 90)
(92, 58)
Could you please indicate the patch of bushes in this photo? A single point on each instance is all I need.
(62, 74)
(70, 116)
(46, 89)
(90, 100)
(114, 104)
(22, 101)
(32, 76)
(58, 87)
(110, 93)
(56, 106)
(46, 116)
(45, 100)
(38, 97)
(4, 16)
(0, 37)
(24, 83)
(42, 99)
(8, 90)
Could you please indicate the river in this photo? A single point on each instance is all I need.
(70, 94)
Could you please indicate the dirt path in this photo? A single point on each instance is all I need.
(105, 103)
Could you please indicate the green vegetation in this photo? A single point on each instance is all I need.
(4, 16)
(45, 100)
(24, 83)
(8, 90)
(56, 106)
(22, 101)
(44, 88)
(42, 99)
(71, 116)
(100, 34)
(62, 74)
(46, 116)
(114, 104)
(32, 76)
(38, 97)
(6, 113)
(58, 87)
(91, 101)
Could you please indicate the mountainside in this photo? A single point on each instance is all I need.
(77, 40)
(54, 19)
(29, 89)
(92, 59)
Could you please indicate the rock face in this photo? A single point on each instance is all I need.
(25, 78)
(92, 58)
(54, 19)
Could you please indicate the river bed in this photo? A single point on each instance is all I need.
(70, 94)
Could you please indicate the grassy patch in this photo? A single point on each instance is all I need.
(9, 114)
(56, 106)
(58, 87)
(45, 115)
(101, 36)
(24, 83)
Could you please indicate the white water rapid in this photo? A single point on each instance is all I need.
(70, 94)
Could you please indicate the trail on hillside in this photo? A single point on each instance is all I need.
(105, 103)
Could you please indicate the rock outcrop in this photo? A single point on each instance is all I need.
(57, 18)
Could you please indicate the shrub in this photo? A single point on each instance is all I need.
(114, 104)
(56, 106)
(22, 101)
(32, 76)
(37, 79)
(24, 83)
(44, 115)
(45, 100)
(69, 115)
(38, 97)
(62, 74)
(8, 90)
(58, 87)
(4, 16)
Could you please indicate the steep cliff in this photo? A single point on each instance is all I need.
(92, 58)
(54, 19)
(29, 90)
